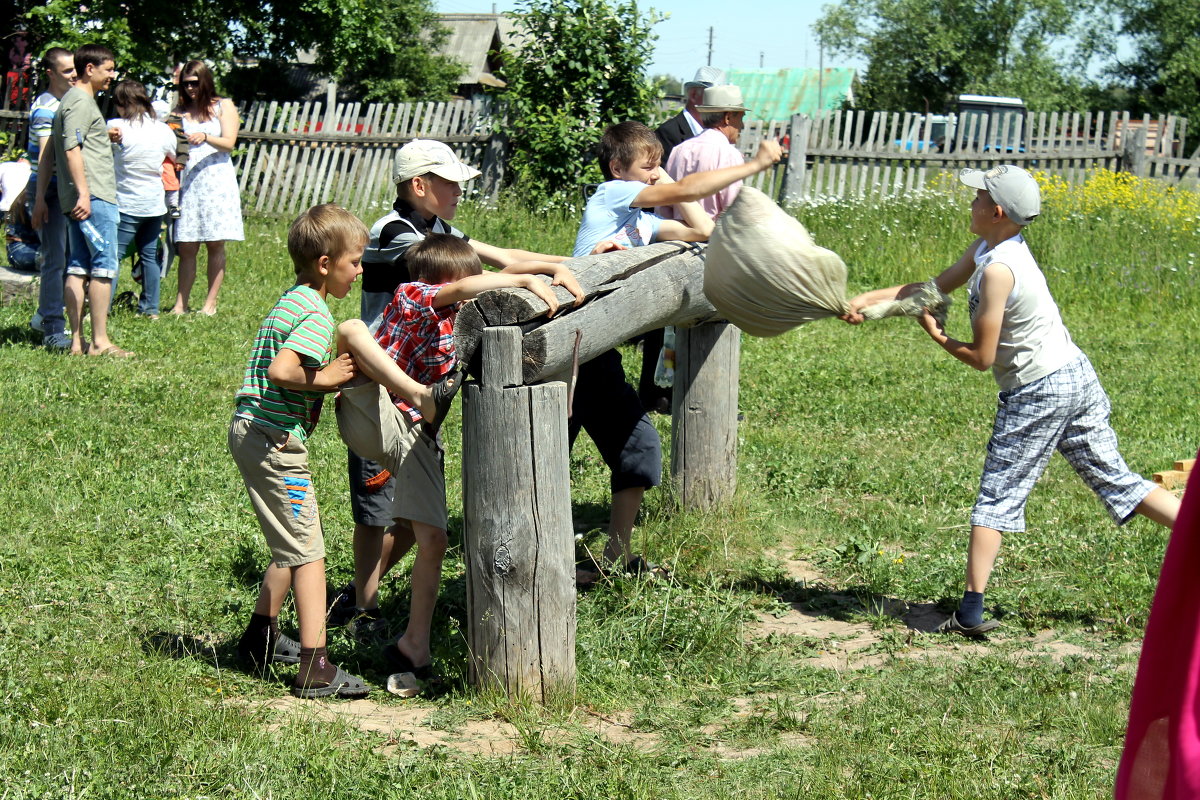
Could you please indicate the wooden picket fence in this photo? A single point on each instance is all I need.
(874, 155)
(299, 154)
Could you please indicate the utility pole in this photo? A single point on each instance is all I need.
(710, 35)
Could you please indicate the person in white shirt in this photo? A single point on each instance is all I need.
(140, 145)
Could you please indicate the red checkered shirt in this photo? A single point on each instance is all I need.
(418, 337)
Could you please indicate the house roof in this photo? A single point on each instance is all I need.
(473, 40)
(777, 94)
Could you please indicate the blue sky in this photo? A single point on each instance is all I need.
(778, 31)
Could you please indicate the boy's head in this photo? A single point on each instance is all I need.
(1013, 190)
(95, 64)
(429, 177)
(324, 230)
(630, 151)
(442, 258)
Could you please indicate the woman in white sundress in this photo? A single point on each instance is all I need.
(209, 203)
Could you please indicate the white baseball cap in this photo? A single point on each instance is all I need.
(1013, 189)
(421, 156)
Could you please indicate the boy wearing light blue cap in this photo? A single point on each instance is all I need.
(1050, 398)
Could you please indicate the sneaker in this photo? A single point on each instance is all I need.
(343, 606)
(57, 341)
(173, 212)
(952, 625)
(36, 322)
(368, 628)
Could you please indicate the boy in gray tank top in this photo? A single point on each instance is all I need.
(1050, 397)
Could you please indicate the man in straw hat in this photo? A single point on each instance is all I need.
(721, 114)
(686, 123)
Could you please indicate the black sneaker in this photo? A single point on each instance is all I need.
(342, 606)
(368, 627)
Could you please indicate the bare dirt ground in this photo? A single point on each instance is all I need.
(837, 644)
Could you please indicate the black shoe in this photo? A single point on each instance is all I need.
(285, 651)
(342, 606)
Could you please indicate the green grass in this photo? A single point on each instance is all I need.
(130, 560)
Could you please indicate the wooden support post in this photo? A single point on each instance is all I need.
(704, 414)
(518, 537)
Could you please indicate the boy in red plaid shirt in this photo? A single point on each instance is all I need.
(417, 332)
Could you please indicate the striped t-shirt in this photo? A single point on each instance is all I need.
(301, 322)
(41, 117)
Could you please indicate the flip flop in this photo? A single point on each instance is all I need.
(343, 685)
(443, 397)
(952, 625)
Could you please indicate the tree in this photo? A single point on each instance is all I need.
(921, 53)
(385, 49)
(579, 68)
(1165, 71)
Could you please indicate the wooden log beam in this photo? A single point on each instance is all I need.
(625, 298)
(518, 541)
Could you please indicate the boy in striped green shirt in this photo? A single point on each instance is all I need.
(291, 369)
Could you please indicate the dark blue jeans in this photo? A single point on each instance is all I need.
(143, 232)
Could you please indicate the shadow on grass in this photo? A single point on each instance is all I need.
(20, 334)
(852, 603)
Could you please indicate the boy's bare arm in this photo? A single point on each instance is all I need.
(704, 184)
(980, 353)
(475, 285)
(287, 372)
(950, 279)
(504, 257)
(560, 275)
(46, 164)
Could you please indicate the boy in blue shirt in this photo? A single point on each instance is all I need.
(605, 405)
(1050, 397)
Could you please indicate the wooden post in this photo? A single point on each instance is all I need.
(704, 414)
(792, 192)
(1133, 151)
(518, 537)
(493, 165)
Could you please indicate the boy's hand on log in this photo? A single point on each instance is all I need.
(607, 246)
(769, 152)
(544, 292)
(340, 370)
(565, 278)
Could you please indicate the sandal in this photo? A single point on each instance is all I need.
(405, 679)
(443, 397)
(343, 685)
(285, 651)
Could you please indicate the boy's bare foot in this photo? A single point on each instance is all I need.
(112, 351)
(209, 312)
(178, 310)
(80, 348)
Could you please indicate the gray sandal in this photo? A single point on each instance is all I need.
(343, 685)
(952, 625)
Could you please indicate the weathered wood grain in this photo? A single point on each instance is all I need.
(704, 415)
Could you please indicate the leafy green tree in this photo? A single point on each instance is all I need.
(921, 53)
(1165, 70)
(384, 49)
(579, 67)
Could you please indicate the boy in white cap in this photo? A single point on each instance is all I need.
(429, 178)
(1050, 397)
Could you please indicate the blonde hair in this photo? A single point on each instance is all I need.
(441, 258)
(324, 230)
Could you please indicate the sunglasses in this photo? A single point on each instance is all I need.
(190, 83)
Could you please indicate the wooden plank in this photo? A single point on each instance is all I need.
(272, 163)
(1172, 478)
(1185, 465)
(291, 181)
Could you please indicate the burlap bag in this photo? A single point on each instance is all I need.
(764, 273)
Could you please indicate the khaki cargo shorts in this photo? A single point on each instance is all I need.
(375, 429)
(274, 466)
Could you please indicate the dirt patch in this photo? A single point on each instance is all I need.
(842, 643)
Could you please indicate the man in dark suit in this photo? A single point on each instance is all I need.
(686, 123)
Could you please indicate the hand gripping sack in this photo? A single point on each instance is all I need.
(763, 272)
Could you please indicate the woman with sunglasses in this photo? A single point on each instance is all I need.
(210, 204)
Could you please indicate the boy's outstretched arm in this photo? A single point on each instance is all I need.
(475, 285)
(560, 275)
(696, 225)
(287, 372)
(503, 258)
(979, 353)
(703, 184)
(950, 279)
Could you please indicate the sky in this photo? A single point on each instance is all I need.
(773, 33)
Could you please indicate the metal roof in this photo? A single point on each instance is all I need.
(777, 94)
(472, 41)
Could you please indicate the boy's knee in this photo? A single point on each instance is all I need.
(433, 541)
(351, 327)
